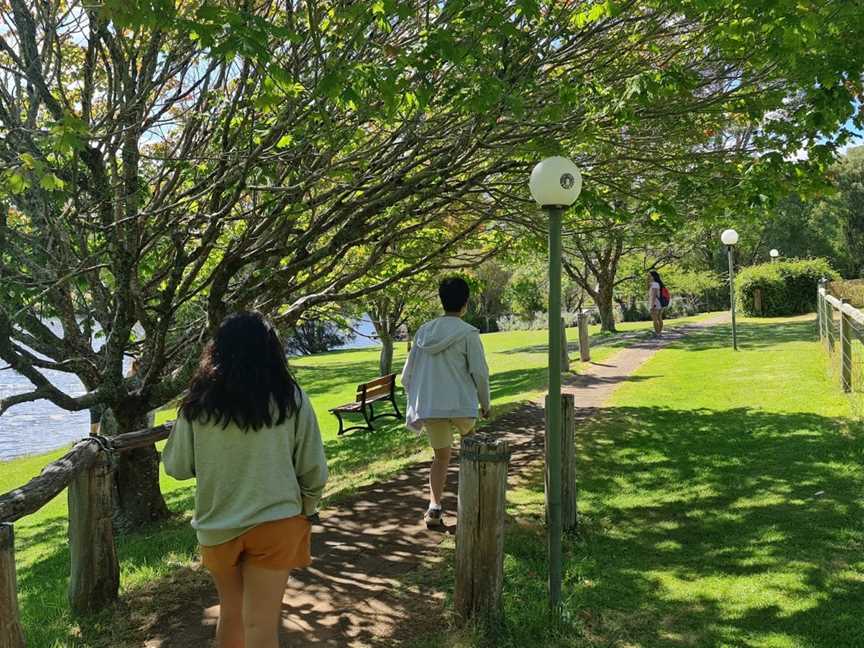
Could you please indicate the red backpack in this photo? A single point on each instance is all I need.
(665, 297)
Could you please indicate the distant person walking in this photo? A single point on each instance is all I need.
(248, 434)
(655, 301)
(446, 379)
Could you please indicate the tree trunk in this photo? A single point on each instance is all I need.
(138, 501)
(606, 308)
(385, 360)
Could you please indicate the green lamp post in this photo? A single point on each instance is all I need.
(729, 238)
(555, 184)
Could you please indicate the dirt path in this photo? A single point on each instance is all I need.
(352, 595)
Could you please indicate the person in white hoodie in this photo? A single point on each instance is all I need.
(447, 380)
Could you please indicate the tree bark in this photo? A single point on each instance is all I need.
(138, 501)
(605, 306)
(385, 360)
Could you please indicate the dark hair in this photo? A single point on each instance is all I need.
(454, 293)
(241, 375)
(656, 276)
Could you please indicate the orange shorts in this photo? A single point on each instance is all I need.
(278, 545)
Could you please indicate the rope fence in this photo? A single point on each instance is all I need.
(85, 473)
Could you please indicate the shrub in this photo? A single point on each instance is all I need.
(786, 287)
(538, 322)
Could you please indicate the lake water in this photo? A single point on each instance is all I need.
(41, 426)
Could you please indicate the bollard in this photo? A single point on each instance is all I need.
(845, 350)
(569, 511)
(565, 352)
(11, 633)
(479, 563)
(584, 340)
(95, 576)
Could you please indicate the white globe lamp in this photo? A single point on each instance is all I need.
(729, 237)
(555, 182)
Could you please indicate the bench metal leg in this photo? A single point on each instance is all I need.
(341, 424)
(367, 419)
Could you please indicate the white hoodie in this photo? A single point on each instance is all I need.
(446, 372)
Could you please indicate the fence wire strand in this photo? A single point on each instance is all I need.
(846, 370)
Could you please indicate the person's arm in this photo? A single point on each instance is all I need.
(178, 457)
(479, 371)
(408, 369)
(310, 464)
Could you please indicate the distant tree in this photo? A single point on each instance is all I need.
(847, 205)
(310, 336)
(398, 307)
(488, 303)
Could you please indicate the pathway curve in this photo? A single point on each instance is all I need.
(353, 594)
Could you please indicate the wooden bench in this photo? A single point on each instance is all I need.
(380, 389)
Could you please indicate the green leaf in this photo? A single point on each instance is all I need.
(17, 183)
(51, 182)
(285, 141)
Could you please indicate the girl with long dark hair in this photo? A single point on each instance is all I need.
(655, 286)
(248, 434)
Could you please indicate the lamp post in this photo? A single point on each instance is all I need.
(729, 238)
(774, 254)
(555, 184)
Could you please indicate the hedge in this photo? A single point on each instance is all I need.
(786, 287)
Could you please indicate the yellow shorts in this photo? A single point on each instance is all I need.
(278, 545)
(440, 431)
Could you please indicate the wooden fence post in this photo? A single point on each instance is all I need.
(757, 301)
(819, 307)
(584, 341)
(845, 350)
(11, 633)
(95, 577)
(829, 325)
(565, 352)
(479, 563)
(569, 509)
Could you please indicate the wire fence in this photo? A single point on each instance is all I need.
(841, 331)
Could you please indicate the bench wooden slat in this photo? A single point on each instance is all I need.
(348, 407)
(375, 392)
(383, 380)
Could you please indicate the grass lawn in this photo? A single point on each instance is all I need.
(518, 364)
(721, 499)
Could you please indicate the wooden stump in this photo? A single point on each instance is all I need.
(565, 352)
(584, 340)
(757, 301)
(11, 633)
(479, 564)
(95, 577)
(569, 510)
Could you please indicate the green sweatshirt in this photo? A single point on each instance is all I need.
(247, 478)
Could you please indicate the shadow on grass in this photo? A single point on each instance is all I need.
(613, 340)
(704, 528)
(325, 378)
(751, 335)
